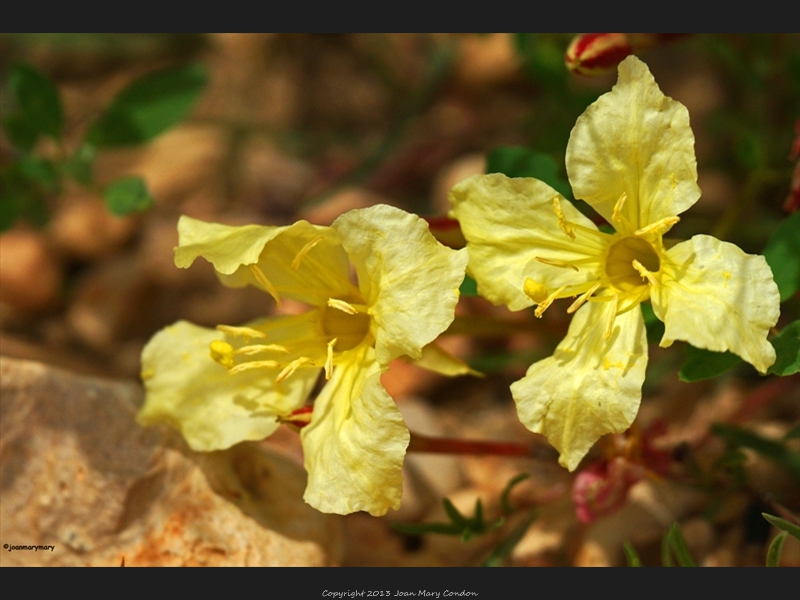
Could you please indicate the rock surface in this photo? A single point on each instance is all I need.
(78, 474)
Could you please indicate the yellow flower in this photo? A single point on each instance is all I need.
(220, 387)
(631, 157)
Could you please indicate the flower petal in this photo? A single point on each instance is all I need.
(409, 280)
(716, 297)
(301, 261)
(590, 386)
(637, 141)
(508, 223)
(355, 444)
(211, 408)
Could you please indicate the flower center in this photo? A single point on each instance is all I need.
(620, 268)
(348, 329)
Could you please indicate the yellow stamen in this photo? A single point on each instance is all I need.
(292, 367)
(645, 273)
(583, 298)
(611, 316)
(563, 224)
(660, 227)
(266, 283)
(557, 263)
(617, 215)
(544, 305)
(329, 360)
(254, 364)
(246, 332)
(305, 250)
(259, 348)
(347, 307)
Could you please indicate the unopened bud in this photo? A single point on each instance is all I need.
(299, 418)
(597, 53)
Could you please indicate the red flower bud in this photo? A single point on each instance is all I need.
(597, 53)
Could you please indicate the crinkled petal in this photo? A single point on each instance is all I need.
(716, 297)
(409, 280)
(590, 386)
(211, 408)
(355, 444)
(508, 223)
(637, 141)
(311, 276)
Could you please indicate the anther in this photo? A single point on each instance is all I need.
(259, 348)
(563, 224)
(583, 298)
(292, 367)
(305, 250)
(535, 290)
(660, 227)
(617, 215)
(544, 305)
(254, 364)
(329, 359)
(645, 273)
(266, 283)
(557, 263)
(246, 332)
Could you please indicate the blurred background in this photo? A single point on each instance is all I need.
(271, 128)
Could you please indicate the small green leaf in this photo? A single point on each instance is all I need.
(674, 544)
(149, 106)
(509, 543)
(783, 256)
(80, 166)
(505, 505)
(515, 161)
(783, 525)
(37, 99)
(631, 555)
(456, 517)
(775, 550)
(40, 171)
(21, 133)
(787, 350)
(704, 364)
(128, 195)
(469, 286)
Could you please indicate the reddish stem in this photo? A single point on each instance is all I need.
(437, 445)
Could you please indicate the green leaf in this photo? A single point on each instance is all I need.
(128, 195)
(469, 286)
(775, 550)
(505, 547)
(704, 364)
(149, 106)
(80, 166)
(674, 545)
(40, 171)
(38, 102)
(20, 197)
(783, 525)
(631, 555)
(21, 133)
(456, 517)
(787, 349)
(783, 256)
(504, 503)
(515, 161)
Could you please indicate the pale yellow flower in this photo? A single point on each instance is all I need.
(631, 157)
(220, 387)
